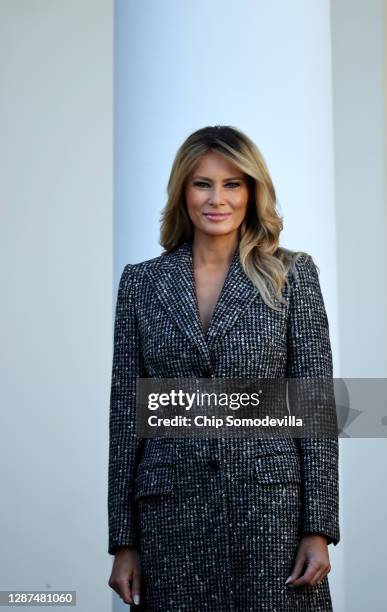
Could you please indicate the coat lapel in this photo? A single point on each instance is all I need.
(174, 284)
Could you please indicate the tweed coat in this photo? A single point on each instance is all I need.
(217, 522)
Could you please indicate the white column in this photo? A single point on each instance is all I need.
(56, 299)
(360, 164)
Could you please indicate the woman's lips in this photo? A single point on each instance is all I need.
(217, 216)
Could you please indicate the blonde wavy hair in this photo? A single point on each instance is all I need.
(263, 260)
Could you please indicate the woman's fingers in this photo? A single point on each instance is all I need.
(315, 572)
(120, 584)
(312, 562)
(297, 568)
(136, 584)
(125, 591)
(324, 571)
(312, 571)
(125, 578)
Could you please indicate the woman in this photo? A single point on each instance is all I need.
(220, 524)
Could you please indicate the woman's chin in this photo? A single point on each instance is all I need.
(219, 230)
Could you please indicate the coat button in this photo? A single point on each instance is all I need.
(213, 464)
(209, 374)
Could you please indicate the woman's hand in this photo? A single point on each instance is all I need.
(125, 578)
(313, 558)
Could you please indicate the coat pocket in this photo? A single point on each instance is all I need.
(279, 469)
(154, 480)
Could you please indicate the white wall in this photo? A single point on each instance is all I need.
(264, 67)
(56, 305)
(359, 71)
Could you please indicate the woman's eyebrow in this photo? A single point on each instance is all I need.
(230, 178)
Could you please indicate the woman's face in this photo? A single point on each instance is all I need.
(217, 195)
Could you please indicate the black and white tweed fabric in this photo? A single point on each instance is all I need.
(218, 521)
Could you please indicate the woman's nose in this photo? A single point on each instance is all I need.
(216, 196)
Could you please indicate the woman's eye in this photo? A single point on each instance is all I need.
(201, 184)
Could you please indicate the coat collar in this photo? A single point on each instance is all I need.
(174, 283)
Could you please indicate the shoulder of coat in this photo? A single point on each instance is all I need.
(302, 264)
(297, 263)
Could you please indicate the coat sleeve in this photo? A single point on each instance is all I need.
(123, 442)
(309, 356)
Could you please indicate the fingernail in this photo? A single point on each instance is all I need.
(136, 599)
(288, 579)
